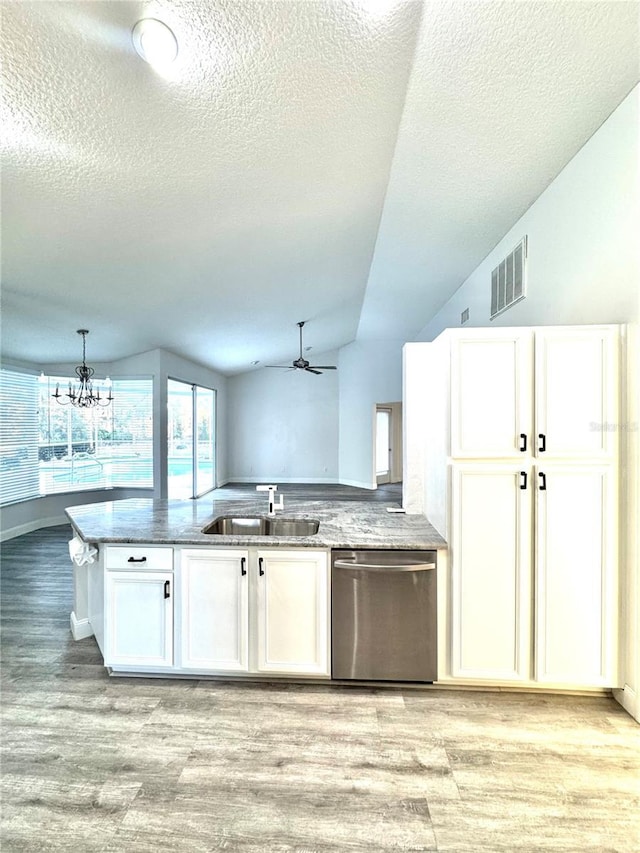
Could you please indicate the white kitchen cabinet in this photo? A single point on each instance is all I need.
(138, 619)
(575, 574)
(254, 610)
(214, 610)
(491, 585)
(293, 612)
(531, 592)
(490, 393)
(575, 393)
(546, 391)
(547, 529)
(237, 610)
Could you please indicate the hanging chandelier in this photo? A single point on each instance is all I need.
(83, 394)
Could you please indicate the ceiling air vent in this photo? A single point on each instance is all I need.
(508, 280)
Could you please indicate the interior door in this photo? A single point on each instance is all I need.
(383, 444)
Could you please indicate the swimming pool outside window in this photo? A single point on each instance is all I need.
(191, 439)
(46, 448)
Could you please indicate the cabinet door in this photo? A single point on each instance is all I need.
(139, 619)
(214, 610)
(491, 572)
(491, 393)
(575, 577)
(293, 612)
(576, 393)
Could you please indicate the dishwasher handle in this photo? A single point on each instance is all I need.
(374, 567)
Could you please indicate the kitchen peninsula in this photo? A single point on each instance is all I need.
(343, 524)
(164, 598)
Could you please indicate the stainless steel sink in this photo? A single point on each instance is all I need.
(292, 526)
(232, 525)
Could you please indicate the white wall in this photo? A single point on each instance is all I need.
(583, 237)
(283, 425)
(629, 581)
(370, 373)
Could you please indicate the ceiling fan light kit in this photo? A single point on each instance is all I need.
(301, 363)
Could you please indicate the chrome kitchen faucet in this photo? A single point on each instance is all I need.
(273, 506)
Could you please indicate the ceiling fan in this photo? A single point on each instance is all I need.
(301, 363)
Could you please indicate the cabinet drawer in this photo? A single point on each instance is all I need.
(139, 557)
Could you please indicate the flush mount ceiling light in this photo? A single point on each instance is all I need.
(154, 42)
(83, 395)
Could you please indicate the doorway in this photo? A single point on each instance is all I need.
(190, 440)
(388, 443)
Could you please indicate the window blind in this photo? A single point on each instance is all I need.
(19, 474)
(47, 448)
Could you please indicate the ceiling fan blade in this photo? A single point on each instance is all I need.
(323, 366)
(311, 370)
(280, 366)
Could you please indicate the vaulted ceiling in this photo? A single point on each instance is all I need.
(343, 163)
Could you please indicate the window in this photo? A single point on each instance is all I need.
(191, 446)
(19, 477)
(48, 448)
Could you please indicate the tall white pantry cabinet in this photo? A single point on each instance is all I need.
(520, 465)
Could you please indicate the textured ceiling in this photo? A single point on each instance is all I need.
(343, 163)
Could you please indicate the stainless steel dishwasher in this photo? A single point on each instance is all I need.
(383, 615)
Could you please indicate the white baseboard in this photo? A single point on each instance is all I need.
(30, 526)
(628, 698)
(80, 628)
(283, 479)
(358, 484)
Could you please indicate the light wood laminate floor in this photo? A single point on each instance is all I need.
(93, 763)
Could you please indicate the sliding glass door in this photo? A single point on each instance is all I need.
(204, 444)
(190, 440)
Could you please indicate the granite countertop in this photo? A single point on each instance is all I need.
(343, 524)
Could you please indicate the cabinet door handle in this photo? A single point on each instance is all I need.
(167, 589)
(523, 442)
(260, 566)
(243, 566)
(542, 446)
(133, 560)
(543, 482)
(523, 480)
